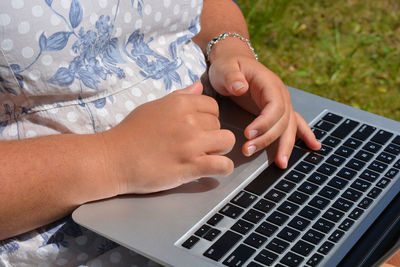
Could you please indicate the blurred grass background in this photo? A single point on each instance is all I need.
(346, 50)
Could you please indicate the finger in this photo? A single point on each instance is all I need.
(205, 121)
(213, 165)
(305, 133)
(195, 89)
(228, 79)
(285, 143)
(219, 142)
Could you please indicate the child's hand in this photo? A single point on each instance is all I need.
(167, 142)
(261, 92)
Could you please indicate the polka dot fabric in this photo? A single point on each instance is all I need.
(75, 66)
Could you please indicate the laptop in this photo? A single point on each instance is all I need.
(329, 207)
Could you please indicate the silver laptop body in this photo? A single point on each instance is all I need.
(157, 225)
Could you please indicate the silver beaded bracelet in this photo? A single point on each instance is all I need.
(222, 37)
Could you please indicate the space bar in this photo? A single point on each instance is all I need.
(272, 173)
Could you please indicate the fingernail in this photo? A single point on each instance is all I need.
(236, 86)
(251, 149)
(285, 160)
(252, 134)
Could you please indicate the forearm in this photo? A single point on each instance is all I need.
(44, 179)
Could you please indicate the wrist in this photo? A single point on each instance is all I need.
(229, 44)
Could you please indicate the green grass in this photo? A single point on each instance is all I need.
(346, 50)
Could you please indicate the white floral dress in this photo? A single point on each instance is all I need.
(80, 66)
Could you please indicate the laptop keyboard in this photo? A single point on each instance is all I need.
(297, 216)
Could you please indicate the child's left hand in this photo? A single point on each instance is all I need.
(260, 91)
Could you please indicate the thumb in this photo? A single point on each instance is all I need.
(194, 89)
(228, 79)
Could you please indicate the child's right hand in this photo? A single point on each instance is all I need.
(167, 142)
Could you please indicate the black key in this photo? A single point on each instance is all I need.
(278, 218)
(239, 256)
(336, 236)
(342, 204)
(326, 169)
(326, 247)
(396, 140)
(381, 137)
(392, 173)
(269, 176)
(364, 155)
(335, 160)
(328, 192)
(212, 234)
(190, 242)
(253, 216)
(285, 186)
(383, 183)
(275, 195)
(345, 128)
(324, 125)
(347, 173)
(222, 245)
(215, 219)
(288, 234)
(393, 149)
(372, 147)
(308, 188)
(295, 176)
(323, 225)
(315, 260)
(355, 164)
(364, 132)
(317, 178)
(352, 143)
(331, 141)
(397, 164)
(264, 205)
(309, 212)
(298, 197)
(346, 224)
(202, 230)
(254, 264)
(299, 223)
(365, 203)
(304, 167)
(332, 118)
(314, 158)
(242, 227)
(292, 260)
(338, 183)
(319, 202)
(255, 240)
(318, 133)
(369, 175)
(277, 245)
(324, 150)
(266, 257)
(356, 213)
(344, 151)
(302, 248)
(352, 194)
(266, 229)
(360, 185)
(377, 166)
(313, 236)
(333, 215)
(231, 211)
(386, 157)
(244, 199)
(288, 207)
